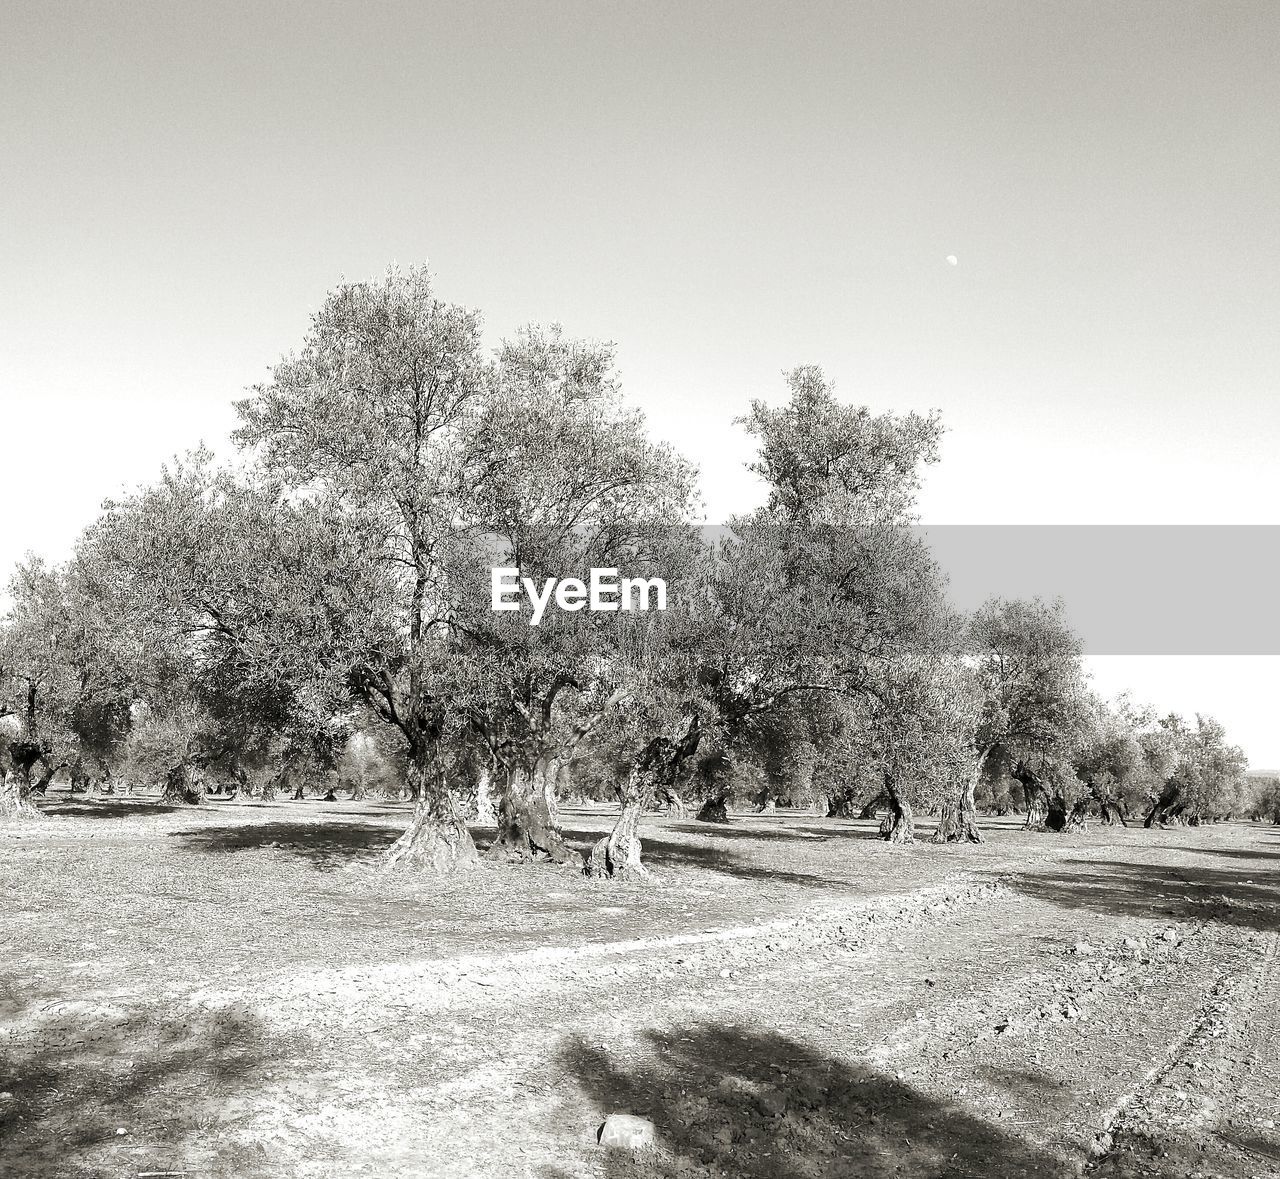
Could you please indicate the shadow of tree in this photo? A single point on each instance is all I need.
(728, 1101)
(106, 807)
(846, 831)
(1024, 1080)
(744, 829)
(1160, 891)
(1252, 1142)
(91, 1091)
(1232, 853)
(327, 845)
(665, 853)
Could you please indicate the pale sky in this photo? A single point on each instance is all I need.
(726, 190)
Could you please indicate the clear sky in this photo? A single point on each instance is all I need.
(726, 190)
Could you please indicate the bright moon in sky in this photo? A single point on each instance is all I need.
(952, 260)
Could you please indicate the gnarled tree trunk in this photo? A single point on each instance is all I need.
(617, 855)
(45, 780)
(672, 801)
(183, 786)
(1167, 808)
(842, 806)
(1055, 813)
(714, 809)
(1112, 814)
(527, 826)
(959, 821)
(899, 825)
(15, 797)
(1036, 797)
(656, 769)
(437, 839)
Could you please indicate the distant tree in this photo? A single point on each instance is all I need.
(233, 597)
(659, 723)
(60, 677)
(1208, 781)
(1264, 798)
(42, 682)
(922, 722)
(843, 783)
(823, 589)
(1123, 758)
(1030, 679)
(370, 761)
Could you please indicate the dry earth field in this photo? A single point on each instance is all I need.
(237, 991)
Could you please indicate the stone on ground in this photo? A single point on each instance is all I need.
(627, 1130)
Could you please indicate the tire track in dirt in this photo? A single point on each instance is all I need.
(960, 992)
(1213, 1104)
(955, 998)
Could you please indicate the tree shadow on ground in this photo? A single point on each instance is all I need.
(91, 1090)
(665, 853)
(105, 807)
(1214, 1154)
(1231, 853)
(1253, 1142)
(845, 832)
(1161, 891)
(1022, 1081)
(739, 829)
(326, 845)
(752, 1104)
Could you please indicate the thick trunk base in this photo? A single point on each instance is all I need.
(899, 825)
(673, 803)
(898, 828)
(1059, 817)
(182, 787)
(714, 810)
(15, 800)
(617, 855)
(959, 820)
(527, 829)
(957, 827)
(1113, 816)
(435, 844)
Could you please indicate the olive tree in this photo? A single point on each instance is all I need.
(573, 484)
(235, 599)
(1028, 664)
(1208, 780)
(824, 589)
(61, 675)
(378, 411)
(1124, 758)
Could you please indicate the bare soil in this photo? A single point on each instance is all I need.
(237, 990)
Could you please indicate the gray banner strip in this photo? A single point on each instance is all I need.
(1128, 589)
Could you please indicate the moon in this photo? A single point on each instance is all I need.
(952, 260)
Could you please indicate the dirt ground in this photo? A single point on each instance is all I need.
(236, 990)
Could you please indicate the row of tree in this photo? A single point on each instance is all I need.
(322, 607)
